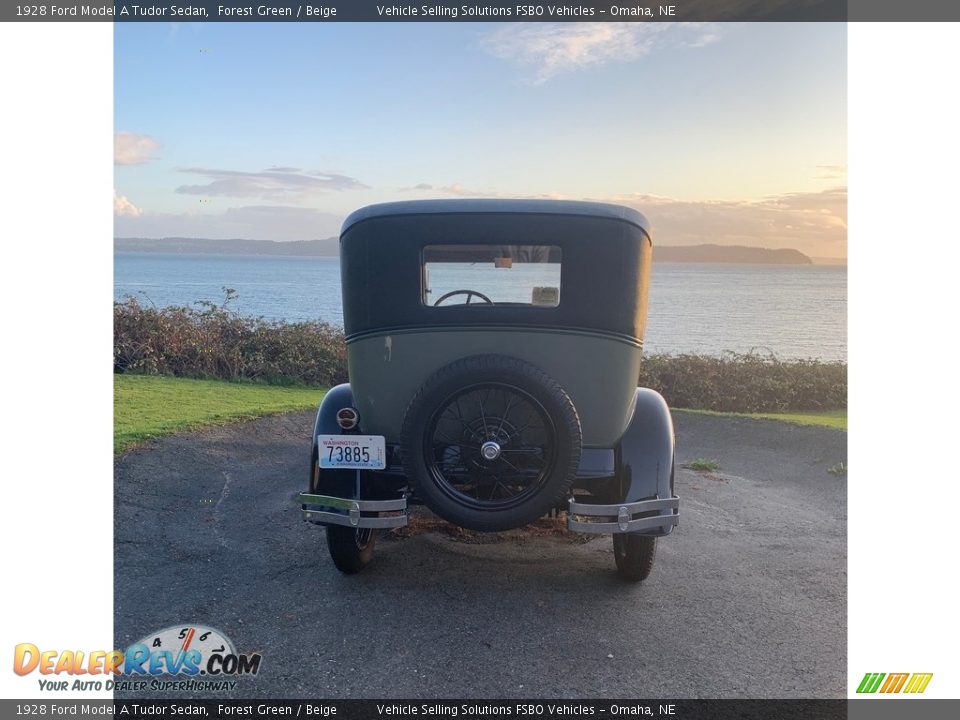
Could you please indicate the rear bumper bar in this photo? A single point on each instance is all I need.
(587, 518)
(351, 513)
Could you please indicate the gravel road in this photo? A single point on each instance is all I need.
(748, 597)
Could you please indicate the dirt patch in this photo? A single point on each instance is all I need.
(423, 521)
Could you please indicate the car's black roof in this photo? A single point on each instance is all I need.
(497, 205)
(605, 249)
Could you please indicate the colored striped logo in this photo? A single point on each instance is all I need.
(894, 682)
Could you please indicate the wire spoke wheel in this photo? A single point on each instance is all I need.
(490, 446)
(362, 538)
(491, 443)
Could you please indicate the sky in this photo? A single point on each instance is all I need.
(720, 133)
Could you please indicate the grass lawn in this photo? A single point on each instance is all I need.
(836, 419)
(145, 407)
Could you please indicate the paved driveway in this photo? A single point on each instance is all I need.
(748, 597)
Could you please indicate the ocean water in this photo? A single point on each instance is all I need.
(793, 311)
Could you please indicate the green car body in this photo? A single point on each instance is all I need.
(515, 326)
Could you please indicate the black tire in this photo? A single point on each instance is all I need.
(350, 548)
(634, 555)
(537, 448)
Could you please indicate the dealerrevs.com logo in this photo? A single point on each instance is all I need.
(180, 657)
(894, 683)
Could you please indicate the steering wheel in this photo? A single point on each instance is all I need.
(468, 293)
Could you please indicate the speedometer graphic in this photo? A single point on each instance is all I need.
(184, 648)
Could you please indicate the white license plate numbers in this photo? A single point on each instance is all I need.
(352, 452)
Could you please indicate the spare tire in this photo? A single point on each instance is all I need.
(491, 443)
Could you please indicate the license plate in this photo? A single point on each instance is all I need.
(352, 452)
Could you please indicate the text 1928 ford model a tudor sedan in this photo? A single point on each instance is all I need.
(494, 348)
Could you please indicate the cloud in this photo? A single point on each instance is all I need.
(458, 190)
(549, 49)
(832, 172)
(255, 222)
(123, 206)
(455, 189)
(133, 149)
(278, 183)
(814, 223)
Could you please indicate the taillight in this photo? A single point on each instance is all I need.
(347, 418)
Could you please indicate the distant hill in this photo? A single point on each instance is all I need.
(729, 254)
(330, 247)
(828, 260)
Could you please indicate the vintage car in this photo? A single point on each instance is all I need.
(494, 349)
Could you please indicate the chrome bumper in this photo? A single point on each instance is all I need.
(586, 518)
(343, 511)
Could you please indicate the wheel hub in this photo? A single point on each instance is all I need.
(490, 450)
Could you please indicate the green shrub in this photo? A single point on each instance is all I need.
(750, 382)
(214, 342)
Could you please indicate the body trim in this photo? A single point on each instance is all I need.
(550, 330)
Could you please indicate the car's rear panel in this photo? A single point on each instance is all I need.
(599, 373)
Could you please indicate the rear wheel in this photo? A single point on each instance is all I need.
(350, 548)
(491, 443)
(634, 555)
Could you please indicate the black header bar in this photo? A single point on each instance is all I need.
(482, 11)
(429, 11)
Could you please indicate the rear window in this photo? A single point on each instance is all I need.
(478, 275)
